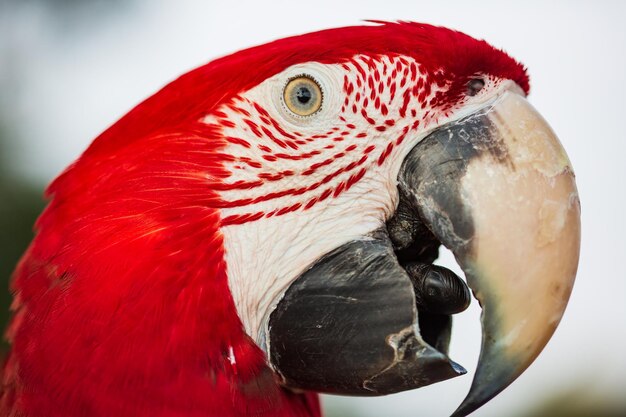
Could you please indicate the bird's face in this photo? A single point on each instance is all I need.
(343, 180)
(314, 155)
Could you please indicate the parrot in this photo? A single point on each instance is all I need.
(264, 229)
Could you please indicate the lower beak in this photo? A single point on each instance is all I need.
(498, 190)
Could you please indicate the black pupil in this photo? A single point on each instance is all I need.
(303, 94)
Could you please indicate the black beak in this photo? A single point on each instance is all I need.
(349, 325)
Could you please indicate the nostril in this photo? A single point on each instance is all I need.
(474, 86)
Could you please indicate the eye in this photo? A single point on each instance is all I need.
(474, 86)
(302, 95)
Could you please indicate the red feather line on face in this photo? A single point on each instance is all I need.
(122, 306)
(335, 160)
(378, 98)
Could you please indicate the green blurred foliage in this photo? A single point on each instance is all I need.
(579, 402)
(20, 204)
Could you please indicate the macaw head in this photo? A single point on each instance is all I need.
(267, 223)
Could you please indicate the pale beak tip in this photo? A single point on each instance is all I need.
(495, 371)
(480, 394)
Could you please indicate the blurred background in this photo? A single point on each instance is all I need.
(70, 68)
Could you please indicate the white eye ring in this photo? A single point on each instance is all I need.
(303, 95)
(327, 78)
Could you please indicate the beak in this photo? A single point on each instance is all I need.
(498, 190)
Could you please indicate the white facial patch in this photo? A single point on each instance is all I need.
(300, 187)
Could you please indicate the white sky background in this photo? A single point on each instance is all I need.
(79, 79)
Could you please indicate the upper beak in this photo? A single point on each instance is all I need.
(496, 188)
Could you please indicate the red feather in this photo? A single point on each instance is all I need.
(122, 306)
